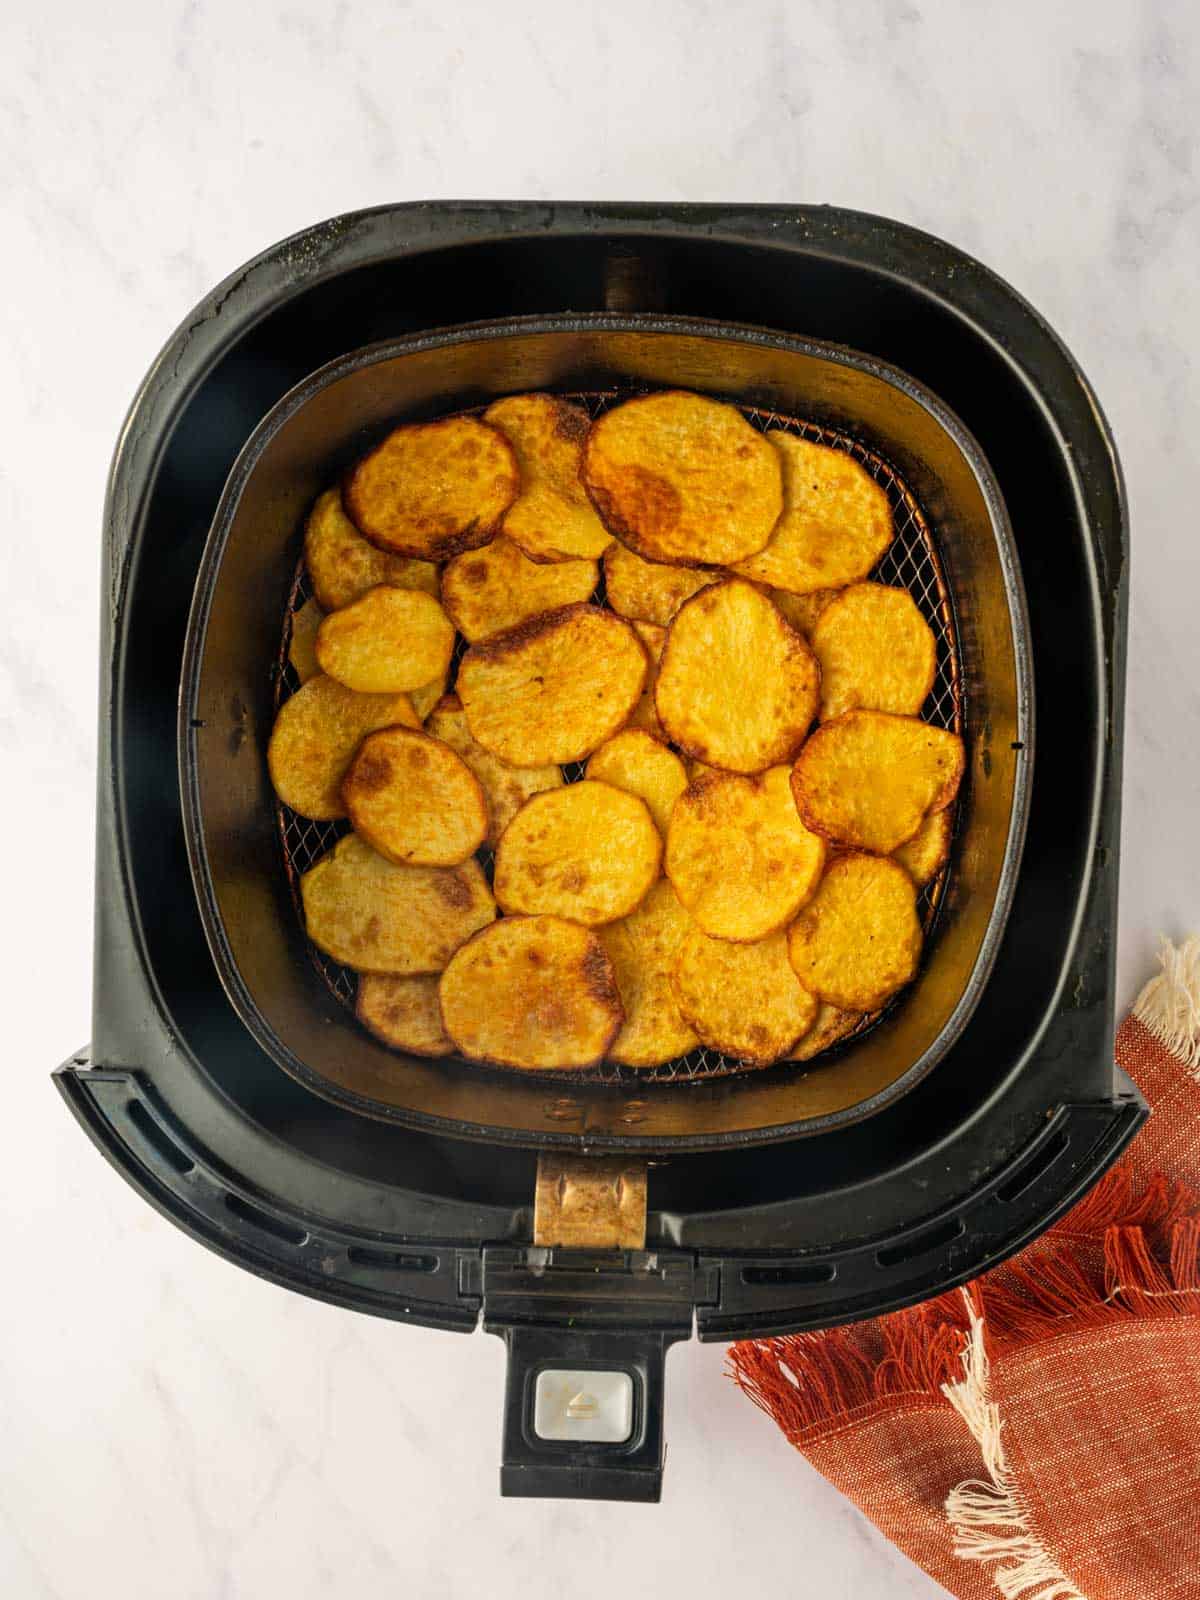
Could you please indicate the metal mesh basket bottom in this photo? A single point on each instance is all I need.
(911, 562)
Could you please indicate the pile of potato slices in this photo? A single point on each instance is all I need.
(738, 864)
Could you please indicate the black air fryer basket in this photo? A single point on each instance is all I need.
(226, 1078)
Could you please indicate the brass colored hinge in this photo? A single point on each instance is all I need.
(592, 1203)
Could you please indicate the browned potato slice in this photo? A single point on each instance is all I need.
(876, 651)
(552, 688)
(741, 860)
(314, 739)
(343, 565)
(375, 916)
(404, 1012)
(427, 696)
(552, 518)
(649, 591)
(387, 641)
(642, 948)
(830, 1026)
(486, 591)
(507, 788)
(637, 762)
(535, 992)
(645, 713)
(412, 799)
(867, 778)
(925, 854)
(858, 939)
(682, 478)
(587, 851)
(433, 489)
(803, 610)
(737, 686)
(302, 647)
(836, 520)
(742, 999)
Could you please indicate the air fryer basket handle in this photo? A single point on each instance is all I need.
(628, 1368)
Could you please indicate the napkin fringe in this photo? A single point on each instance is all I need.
(1169, 1005)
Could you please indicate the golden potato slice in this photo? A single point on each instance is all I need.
(302, 646)
(314, 739)
(737, 686)
(741, 860)
(642, 948)
(926, 853)
(867, 778)
(414, 800)
(534, 992)
(858, 939)
(836, 520)
(375, 916)
(829, 1027)
(552, 518)
(403, 1012)
(433, 489)
(587, 851)
(507, 788)
(876, 651)
(645, 713)
(387, 641)
(486, 591)
(342, 564)
(649, 591)
(634, 760)
(682, 478)
(742, 999)
(427, 696)
(803, 610)
(552, 688)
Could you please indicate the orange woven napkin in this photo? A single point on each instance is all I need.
(1037, 1434)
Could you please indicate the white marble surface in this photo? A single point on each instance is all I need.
(169, 1425)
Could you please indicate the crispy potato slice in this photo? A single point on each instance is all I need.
(375, 916)
(867, 778)
(858, 939)
(831, 1026)
(634, 760)
(836, 520)
(552, 519)
(552, 688)
(486, 591)
(682, 478)
(803, 610)
(742, 999)
(428, 695)
(433, 489)
(533, 992)
(414, 800)
(741, 860)
(876, 651)
(587, 851)
(507, 788)
(314, 739)
(737, 686)
(649, 591)
(388, 641)
(342, 564)
(302, 646)
(642, 948)
(926, 853)
(403, 1012)
(645, 713)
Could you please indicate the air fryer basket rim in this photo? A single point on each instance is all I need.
(367, 356)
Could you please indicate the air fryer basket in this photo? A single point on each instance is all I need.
(226, 712)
